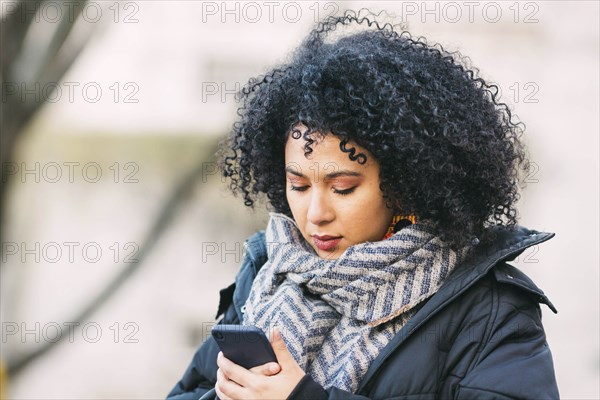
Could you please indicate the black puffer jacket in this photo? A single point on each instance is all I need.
(480, 336)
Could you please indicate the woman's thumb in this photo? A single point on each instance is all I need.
(279, 347)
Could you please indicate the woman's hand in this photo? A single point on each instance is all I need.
(268, 381)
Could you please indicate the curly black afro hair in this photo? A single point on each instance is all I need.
(447, 150)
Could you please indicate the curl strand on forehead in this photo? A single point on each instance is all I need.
(312, 136)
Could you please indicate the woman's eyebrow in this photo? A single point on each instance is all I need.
(294, 172)
(343, 172)
(329, 176)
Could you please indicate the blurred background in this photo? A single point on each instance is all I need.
(117, 233)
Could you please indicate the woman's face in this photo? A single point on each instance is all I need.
(333, 197)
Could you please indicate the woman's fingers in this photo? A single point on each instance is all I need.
(267, 381)
(227, 389)
(221, 376)
(234, 372)
(221, 380)
(268, 369)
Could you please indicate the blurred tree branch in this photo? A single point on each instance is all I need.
(18, 109)
(23, 66)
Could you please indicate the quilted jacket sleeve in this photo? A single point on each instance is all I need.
(514, 361)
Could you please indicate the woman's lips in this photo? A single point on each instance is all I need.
(326, 242)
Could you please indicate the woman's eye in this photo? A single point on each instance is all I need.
(345, 191)
(299, 188)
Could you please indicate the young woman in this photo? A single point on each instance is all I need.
(392, 175)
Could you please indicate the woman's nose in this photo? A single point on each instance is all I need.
(320, 210)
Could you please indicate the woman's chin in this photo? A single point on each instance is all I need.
(333, 254)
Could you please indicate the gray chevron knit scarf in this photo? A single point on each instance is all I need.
(337, 315)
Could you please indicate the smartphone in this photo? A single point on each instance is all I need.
(245, 345)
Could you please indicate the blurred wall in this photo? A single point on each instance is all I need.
(95, 168)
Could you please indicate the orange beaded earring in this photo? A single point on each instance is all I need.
(399, 222)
